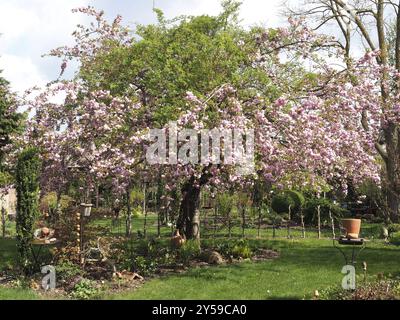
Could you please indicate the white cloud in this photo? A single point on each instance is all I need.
(30, 29)
(252, 11)
(262, 12)
(21, 72)
(15, 21)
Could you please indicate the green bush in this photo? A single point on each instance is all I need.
(297, 197)
(5, 179)
(27, 186)
(281, 202)
(326, 205)
(241, 250)
(137, 212)
(225, 203)
(68, 270)
(190, 250)
(142, 256)
(136, 197)
(49, 202)
(84, 289)
(238, 248)
(395, 238)
(394, 227)
(144, 266)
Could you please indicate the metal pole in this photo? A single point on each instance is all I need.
(81, 238)
(3, 221)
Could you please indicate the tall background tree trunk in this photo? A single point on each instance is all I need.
(128, 231)
(393, 170)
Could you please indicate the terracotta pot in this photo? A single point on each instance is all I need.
(177, 240)
(352, 227)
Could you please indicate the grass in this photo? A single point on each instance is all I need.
(17, 294)
(8, 255)
(304, 265)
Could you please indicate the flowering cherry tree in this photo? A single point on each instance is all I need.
(320, 132)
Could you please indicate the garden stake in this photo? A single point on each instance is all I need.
(333, 224)
(319, 221)
(3, 221)
(364, 264)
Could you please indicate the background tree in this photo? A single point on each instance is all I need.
(162, 64)
(10, 124)
(374, 26)
(307, 131)
(10, 119)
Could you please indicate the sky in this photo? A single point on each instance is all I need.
(31, 28)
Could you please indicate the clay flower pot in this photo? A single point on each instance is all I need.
(352, 227)
(177, 240)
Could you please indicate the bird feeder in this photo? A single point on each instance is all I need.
(86, 209)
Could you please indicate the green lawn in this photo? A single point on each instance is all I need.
(304, 265)
(7, 256)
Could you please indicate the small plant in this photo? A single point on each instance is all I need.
(386, 289)
(68, 270)
(84, 290)
(141, 256)
(393, 228)
(144, 266)
(241, 250)
(395, 238)
(189, 251)
(237, 249)
(225, 203)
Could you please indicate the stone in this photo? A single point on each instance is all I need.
(215, 258)
(265, 254)
(384, 233)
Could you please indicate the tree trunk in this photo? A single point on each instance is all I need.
(215, 220)
(144, 211)
(229, 225)
(97, 196)
(319, 221)
(243, 220)
(158, 224)
(189, 213)
(145, 225)
(259, 222)
(303, 228)
(288, 222)
(332, 224)
(393, 170)
(128, 231)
